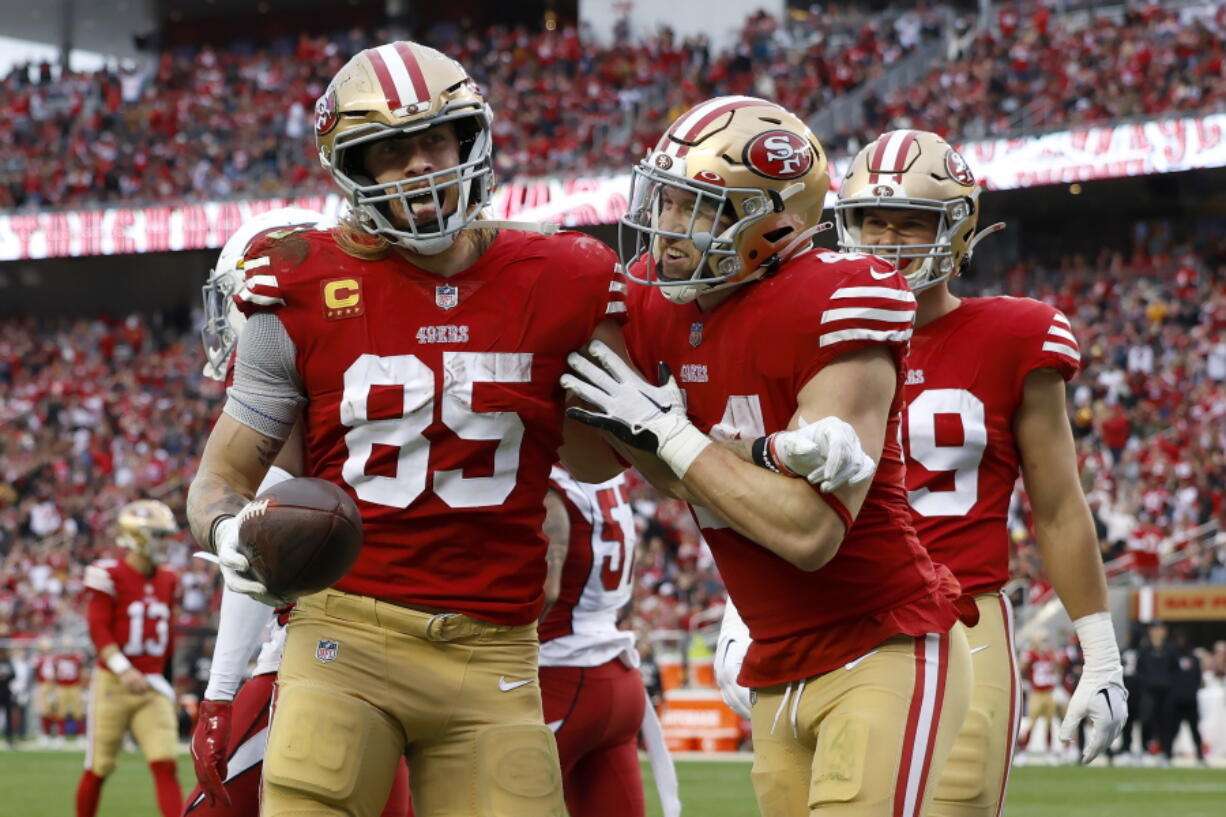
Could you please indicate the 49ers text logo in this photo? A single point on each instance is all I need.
(778, 154)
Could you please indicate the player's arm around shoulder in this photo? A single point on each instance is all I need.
(585, 451)
(789, 516)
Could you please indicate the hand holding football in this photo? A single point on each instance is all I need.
(301, 536)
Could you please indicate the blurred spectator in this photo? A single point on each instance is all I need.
(1184, 690)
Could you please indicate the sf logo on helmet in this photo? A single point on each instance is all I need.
(778, 154)
(325, 113)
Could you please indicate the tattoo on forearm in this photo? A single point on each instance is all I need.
(267, 449)
(208, 498)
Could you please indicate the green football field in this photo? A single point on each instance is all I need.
(42, 784)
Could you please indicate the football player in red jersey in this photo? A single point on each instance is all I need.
(231, 729)
(593, 693)
(131, 607)
(1043, 669)
(985, 401)
(45, 704)
(861, 681)
(68, 682)
(420, 346)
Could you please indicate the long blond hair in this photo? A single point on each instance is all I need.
(353, 240)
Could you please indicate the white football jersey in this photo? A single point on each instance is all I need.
(269, 659)
(581, 628)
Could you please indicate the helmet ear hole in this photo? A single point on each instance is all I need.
(776, 235)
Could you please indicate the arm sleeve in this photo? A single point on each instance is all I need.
(242, 621)
(267, 393)
(99, 616)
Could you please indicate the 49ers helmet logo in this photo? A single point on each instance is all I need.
(778, 154)
(958, 169)
(325, 113)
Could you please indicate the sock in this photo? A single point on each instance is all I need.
(88, 792)
(166, 783)
(49, 726)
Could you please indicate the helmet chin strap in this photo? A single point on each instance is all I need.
(981, 235)
(541, 227)
(798, 243)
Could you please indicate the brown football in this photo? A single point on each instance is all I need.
(301, 536)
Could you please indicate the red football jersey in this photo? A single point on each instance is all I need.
(134, 612)
(44, 669)
(1043, 669)
(964, 387)
(742, 366)
(435, 403)
(67, 669)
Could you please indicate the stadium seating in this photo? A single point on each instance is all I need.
(215, 124)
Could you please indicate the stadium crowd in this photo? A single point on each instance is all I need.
(1033, 73)
(94, 412)
(237, 121)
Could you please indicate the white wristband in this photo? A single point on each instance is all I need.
(1098, 645)
(681, 449)
(118, 663)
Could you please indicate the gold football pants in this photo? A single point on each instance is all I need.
(364, 682)
(868, 739)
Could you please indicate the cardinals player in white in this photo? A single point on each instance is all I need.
(861, 680)
(985, 401)
(591, 688)
(232, 730)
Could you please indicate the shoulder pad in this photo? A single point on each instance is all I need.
(98, 577)
(268, 263)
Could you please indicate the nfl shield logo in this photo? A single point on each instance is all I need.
(446, 296)
(695, 334)
(326, 650)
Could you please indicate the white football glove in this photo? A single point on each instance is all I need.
(827, 453)
(648, 417)
(730, 652)
(1100, 697)
(235, 569)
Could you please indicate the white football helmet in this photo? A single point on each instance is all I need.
(222, 320)
(144, 526)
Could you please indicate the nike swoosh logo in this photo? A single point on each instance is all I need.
(856, 663)
(980, 648)
(660, 408)
(507, 686)
(1107, 698)
(554, 726)
(881, 276)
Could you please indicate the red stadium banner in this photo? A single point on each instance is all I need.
(1136, 149)
(1194, 603)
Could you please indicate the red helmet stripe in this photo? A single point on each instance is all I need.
(890, 157)
(414, 68)
(385, 78)
(691, 124)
